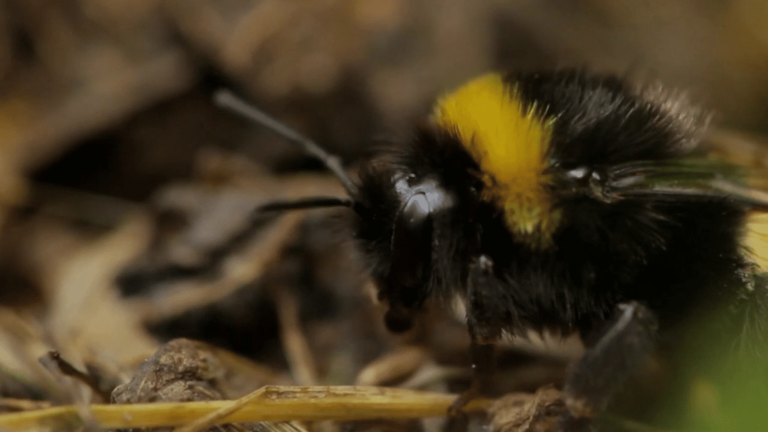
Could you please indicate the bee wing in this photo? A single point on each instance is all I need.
(749, 154)
(689, 179)
(731, 165)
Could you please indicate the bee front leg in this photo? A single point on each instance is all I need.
(620, 349)
(483, 333)
(483, 369)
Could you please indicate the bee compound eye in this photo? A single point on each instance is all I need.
(416, 211)
(411, 244)
(408, 274)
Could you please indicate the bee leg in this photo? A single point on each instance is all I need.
(621, 349)
(483, 369)
(483, 335)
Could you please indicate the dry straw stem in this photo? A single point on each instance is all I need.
(271, 403)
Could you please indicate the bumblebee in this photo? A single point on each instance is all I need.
(567, 202)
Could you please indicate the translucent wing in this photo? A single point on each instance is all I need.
(729, 166)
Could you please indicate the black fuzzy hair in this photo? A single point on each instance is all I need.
(655, 249)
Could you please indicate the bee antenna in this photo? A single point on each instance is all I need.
(305, 203)
(226, 99)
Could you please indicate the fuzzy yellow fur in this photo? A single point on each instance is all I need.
(511, 145)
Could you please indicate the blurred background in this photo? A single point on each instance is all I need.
(123, 187)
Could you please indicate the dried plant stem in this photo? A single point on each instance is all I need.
(54, 360)
(209, 420)
(272, 403)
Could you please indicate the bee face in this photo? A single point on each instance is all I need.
(407, 219)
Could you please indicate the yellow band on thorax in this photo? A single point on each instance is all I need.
(511, 145)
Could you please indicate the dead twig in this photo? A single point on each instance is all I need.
(53, 360)
(272, 403)
(211, 419)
